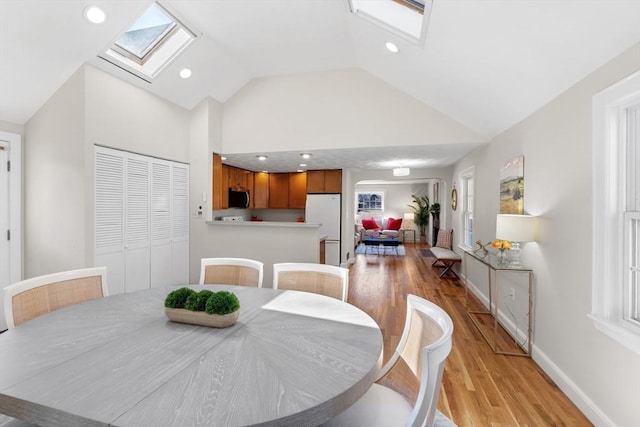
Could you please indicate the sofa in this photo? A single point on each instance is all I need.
(369, 227)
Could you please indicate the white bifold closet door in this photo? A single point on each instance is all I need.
(142, 220)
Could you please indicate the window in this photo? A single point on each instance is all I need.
(370, 201)
(466, 180)
(150, 43)
(405, 18)
(616, 212)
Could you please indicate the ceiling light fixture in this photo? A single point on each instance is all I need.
(303, 165)
(94, 14)
(305, 155)
(185, 73)
(223, 158)
(392, 47)
(401, 171)
(262, 157)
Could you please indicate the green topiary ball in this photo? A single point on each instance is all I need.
(222, 303)
(197, 300)
(177, 298)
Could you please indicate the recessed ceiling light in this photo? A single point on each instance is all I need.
(94, 14)
(262, 157)
(223, 158)
(303, 165)
(305, 155)
(300, 170)
(185, 73)
(392, 47)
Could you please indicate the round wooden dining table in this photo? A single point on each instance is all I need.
(292, 359)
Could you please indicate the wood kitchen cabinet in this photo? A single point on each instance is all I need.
(297, 190)
(251, 176)
(217, 184)
(260, 199)
(324, 181)
(237, 178)
(224, 191)
(278, 190)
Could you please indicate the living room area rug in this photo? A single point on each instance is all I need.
(380, 250)
(427, 253)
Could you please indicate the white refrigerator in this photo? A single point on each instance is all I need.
(325, 209)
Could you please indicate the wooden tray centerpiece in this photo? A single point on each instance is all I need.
(205, 308)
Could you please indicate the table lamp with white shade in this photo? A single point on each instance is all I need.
(408, 220)
(516, 229)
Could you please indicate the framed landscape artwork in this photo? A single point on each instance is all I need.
(512, 187)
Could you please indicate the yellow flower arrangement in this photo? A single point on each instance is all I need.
(502, 245)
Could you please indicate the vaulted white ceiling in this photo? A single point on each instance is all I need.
(486, 63)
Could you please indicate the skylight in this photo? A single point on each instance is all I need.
(152, 42)
(405, 18)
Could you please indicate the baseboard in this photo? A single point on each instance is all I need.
(571, 390)
(564, 383)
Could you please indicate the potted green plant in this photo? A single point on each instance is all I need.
(420, 208)
(205, 308)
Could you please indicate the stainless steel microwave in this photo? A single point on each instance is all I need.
(238, 198)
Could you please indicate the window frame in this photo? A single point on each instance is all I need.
(466, 179)
(611, 283)
(376, 192)
(159, 54)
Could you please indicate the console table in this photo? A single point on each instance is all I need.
(498, 268)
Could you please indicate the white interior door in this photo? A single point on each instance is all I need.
(160, 223)
(137, 223)
(142, 220)
(180, 224)
(10, 214)
(4, 217)
(109, 216)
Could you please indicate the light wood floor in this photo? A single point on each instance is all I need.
(479, 387)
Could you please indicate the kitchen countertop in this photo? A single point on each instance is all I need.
(263, 224)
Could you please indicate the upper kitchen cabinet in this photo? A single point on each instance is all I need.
(297, 190)
(260, 199)
(324, 181)
(237, 178)
(278, 190)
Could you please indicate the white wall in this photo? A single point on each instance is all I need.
(599, 374)
(332, 109)
(92, 107)
(265, 242)
(205, 139)
(54, 183)
(120, 115)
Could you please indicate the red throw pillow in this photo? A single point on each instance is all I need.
(369, 224)
(394, 224)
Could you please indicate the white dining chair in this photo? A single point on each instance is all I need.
(322, 279)
(34, 297)
(424, 346)
(231, 271)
